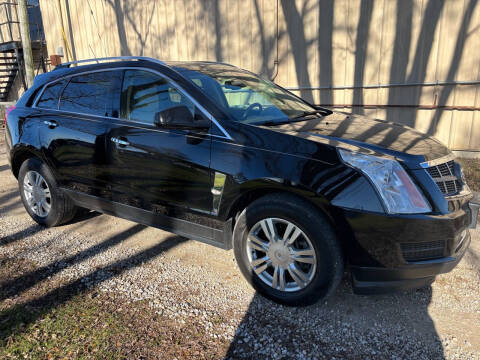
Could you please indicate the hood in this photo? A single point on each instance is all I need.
(378, 135)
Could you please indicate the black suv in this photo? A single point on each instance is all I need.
(217, 154)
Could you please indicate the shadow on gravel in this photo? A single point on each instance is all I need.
(16, 205)
(35, 228)
(346, 326)
(13, 200)
(4, 167)
(29, 231)
(14, 320)
(4, 198)
(28, 280)
(83, 215)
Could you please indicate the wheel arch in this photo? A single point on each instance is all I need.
(333, 215)
(20, 155)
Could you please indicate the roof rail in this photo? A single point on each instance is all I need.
(98, 60)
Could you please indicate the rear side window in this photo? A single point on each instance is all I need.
(49, 98)
(96, 94)
(144, 94)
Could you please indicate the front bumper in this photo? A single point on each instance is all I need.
(382, 257)
(373, 280)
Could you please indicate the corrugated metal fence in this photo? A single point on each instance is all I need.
(412, 61)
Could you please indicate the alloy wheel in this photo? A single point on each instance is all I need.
(281, 254)
(37, 193)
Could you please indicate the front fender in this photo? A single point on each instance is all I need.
(256, 171)
(236, 196)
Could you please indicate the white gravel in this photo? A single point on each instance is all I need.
(184, 279)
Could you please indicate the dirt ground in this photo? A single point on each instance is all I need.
(172, 286)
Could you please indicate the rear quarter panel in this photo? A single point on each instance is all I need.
(22, 134)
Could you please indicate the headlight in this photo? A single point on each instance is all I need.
(398, 192)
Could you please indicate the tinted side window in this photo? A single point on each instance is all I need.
(96, 93)
(144, 94)
(49, 99)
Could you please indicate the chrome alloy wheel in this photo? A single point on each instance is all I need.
(37, 193)
(281, 254)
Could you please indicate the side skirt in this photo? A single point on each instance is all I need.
(205, 234)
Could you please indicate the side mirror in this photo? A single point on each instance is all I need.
(179, 117)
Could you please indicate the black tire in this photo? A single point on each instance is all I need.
(329, 259)
(62, 209)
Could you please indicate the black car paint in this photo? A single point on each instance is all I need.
(300, 158)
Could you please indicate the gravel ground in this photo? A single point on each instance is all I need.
(183, 279)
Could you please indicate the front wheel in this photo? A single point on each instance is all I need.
(287, 250)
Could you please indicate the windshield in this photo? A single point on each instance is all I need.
(246, 97)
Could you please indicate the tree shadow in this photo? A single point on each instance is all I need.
(213, 16)
(361, 42)
(7, 196)
(452, 71)
(13, 320)
(10, 201)
(418, 72)
(344, 326)
(402, 104)
(267, 44)
(116, 5)
(401, 49)
(325, 49)
(300, 45)
(29, 231)
(84, 215)
(422, 53)
(28, 280)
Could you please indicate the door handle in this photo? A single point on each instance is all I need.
(120, 142)
(51, 123)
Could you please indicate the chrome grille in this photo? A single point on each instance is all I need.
(445, 178)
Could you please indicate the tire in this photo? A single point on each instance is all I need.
(323, 268)
(57, 210)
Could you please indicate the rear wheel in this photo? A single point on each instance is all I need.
(287, 250)
(42, 198)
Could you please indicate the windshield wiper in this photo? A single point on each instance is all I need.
(323, 112)
(297, 118)
(289, 121)
(270, 123)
